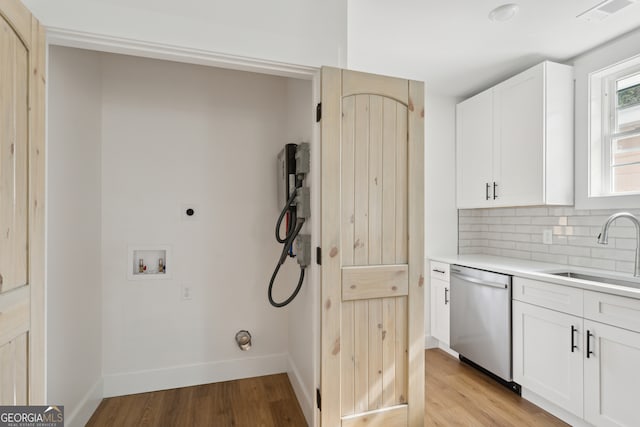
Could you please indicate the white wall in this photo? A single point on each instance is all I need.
(304, 32)
(74, 301)
(441, 215)
(302, 321)
(610, 53)
(176, 134)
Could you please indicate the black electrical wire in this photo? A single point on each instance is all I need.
(294, 230)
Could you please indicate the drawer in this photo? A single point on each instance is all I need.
(612, 310)
(549, 295)
(440, 270)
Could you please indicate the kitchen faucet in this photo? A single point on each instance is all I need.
(603, 237)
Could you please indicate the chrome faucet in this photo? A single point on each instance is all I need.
(603, 237)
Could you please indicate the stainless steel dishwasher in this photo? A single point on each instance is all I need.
(481, 320)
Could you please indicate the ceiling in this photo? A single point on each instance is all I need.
(458, 51)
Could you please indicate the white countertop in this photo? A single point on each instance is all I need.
(541, 271)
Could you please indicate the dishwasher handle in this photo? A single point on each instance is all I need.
(478, 281)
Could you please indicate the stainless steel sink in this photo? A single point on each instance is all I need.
(598, 279)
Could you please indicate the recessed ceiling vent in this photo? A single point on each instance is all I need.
(604, 10)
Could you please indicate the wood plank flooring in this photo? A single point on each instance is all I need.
(456, 395)
(267, 401)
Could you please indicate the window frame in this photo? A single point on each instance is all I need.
(602, 119)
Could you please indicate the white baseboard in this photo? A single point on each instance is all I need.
(87, 406)
(302, 392)
(554, 409)
(184, 376)
(430, 342)
(446, 348)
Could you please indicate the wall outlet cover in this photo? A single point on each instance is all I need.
(186, 292)
(547, 237)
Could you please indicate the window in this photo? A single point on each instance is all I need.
(615, 130)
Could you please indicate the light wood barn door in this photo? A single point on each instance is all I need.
(21, 206)
(372, 367)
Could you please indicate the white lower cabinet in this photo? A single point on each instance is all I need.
(440, 310)
(440, 302)
(547, 354)
(586, 367)
(612, 376)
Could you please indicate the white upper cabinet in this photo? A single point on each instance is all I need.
(515, 141)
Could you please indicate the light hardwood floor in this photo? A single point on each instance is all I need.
(456, 395)
(267, 401)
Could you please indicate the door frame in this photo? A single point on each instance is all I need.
(144, 49)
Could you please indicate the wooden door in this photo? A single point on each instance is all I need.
(22, 52)
(544, 360)
(372, 362)
(611, 376)
(519, 139)
(474, 148)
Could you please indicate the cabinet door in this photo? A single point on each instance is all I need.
(474, 134)
(440, 310)
(612, 376)
(544, 360)
(519, 139)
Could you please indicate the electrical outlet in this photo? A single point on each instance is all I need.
(186, 294)
(547, 237)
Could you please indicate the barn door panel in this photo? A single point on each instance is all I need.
(21, 206)
(371, 203)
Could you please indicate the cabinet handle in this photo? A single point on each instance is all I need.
(495, 193)
(439, 271)
(589, 335)
(446, 296)
(573, 345)
(486, 192)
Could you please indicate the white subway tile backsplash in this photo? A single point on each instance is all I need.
(515, 254)
(517, 233)
(621, 243)
(532, 247)
(595, 220)
(503, 228)
(520, 220)
(603, 264)
(501, 244)
(625, 267)
(516, 237)
(557, 259)
(569, 250)
(615, 254)
(532, 211)
(549, 220)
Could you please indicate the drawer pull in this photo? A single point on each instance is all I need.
(589, 351)
(573, 338)
(439, 271)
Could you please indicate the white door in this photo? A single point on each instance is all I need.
(474, 141)
(440, 310)
(518, 139)
(548, 354)
(612, 376)
(21, 206)
(372, 355)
